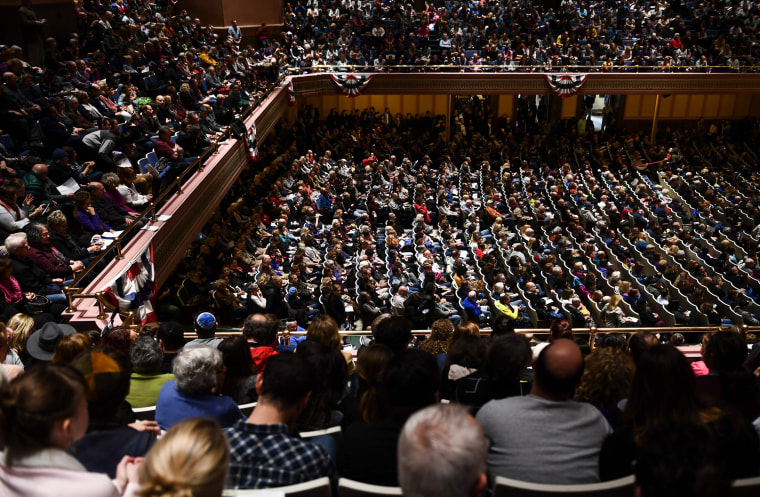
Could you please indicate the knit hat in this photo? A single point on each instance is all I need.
(59, 154)
(205, 321)
(42, 342)
(102, 373)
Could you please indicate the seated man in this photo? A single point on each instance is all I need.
(32, 278)
(146, 380)
(261, 334)
(199, 375)
(546, 429)
(112, 214)
(263, 454)
(457, 466)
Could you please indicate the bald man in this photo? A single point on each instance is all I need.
(546, 437)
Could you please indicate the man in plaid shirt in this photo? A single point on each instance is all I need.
(263, 453)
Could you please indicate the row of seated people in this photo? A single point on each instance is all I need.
(511, 36)
(605, 390)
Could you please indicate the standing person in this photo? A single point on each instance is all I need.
(31, 32)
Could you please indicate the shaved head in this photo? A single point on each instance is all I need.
(558, 370)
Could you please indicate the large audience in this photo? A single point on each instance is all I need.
(370, 220)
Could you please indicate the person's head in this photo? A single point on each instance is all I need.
(324, 329)
(69, 347)
(639, 342)
(411, 382)
(110, 181)
(286, 383)
(395, 332)
(44, 407)
(146, 355)
(57, 222)
(190, 459)
(663, 391)
(198, 370)
(119, 337)
(442, 453)
(502, 325)
(17, 245)
(22, 326)
(205, 325)
(679, 460)
(82, 199)
(107, 373)
(559, 368)
(725, 352)
(507, 357)
(260, 329)
(561, 328)
(236, 355)
(607, 377)
(171, 336)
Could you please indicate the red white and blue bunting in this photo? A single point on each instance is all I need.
(291, 94)
(565, 85)
(135, 288)
(351, 85)
(252, 143)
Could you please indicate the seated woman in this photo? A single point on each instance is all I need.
(44, 255)
(191, 459)
(199, 376)
(86, 215)
(62, 241)
(44, 411)
(128, 188)
(13, 217)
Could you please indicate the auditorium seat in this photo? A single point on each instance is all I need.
(746, 487)
(352, 488)
(315, 488)
(507, 487)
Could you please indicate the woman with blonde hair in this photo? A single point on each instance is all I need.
(190, 460)
(22, 326)
(613, 314)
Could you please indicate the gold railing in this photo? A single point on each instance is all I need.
(543, 68)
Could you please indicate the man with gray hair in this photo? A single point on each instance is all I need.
(32, 278)
(442, 453)
(194, 392)
(146, 380)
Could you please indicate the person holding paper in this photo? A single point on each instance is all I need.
(13, 217)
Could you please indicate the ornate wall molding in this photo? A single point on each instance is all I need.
(514, 83)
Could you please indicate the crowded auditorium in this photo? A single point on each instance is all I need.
(538, 220)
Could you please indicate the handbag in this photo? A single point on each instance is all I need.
(39, 305)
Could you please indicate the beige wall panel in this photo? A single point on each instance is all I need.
(409, 103)
(696, 104)
(506, 105)
(666, 107)
(394, 103)
(727, 107)
(647, 106)
(425, 103)
(681, 105)
(361, 102)
(711, 106)
(632, 107)
(569, 107)
(441, 103)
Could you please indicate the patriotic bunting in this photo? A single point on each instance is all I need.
(135, 288)
(291, 94)
(351, 85)
(565, 85)
(252, 143)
